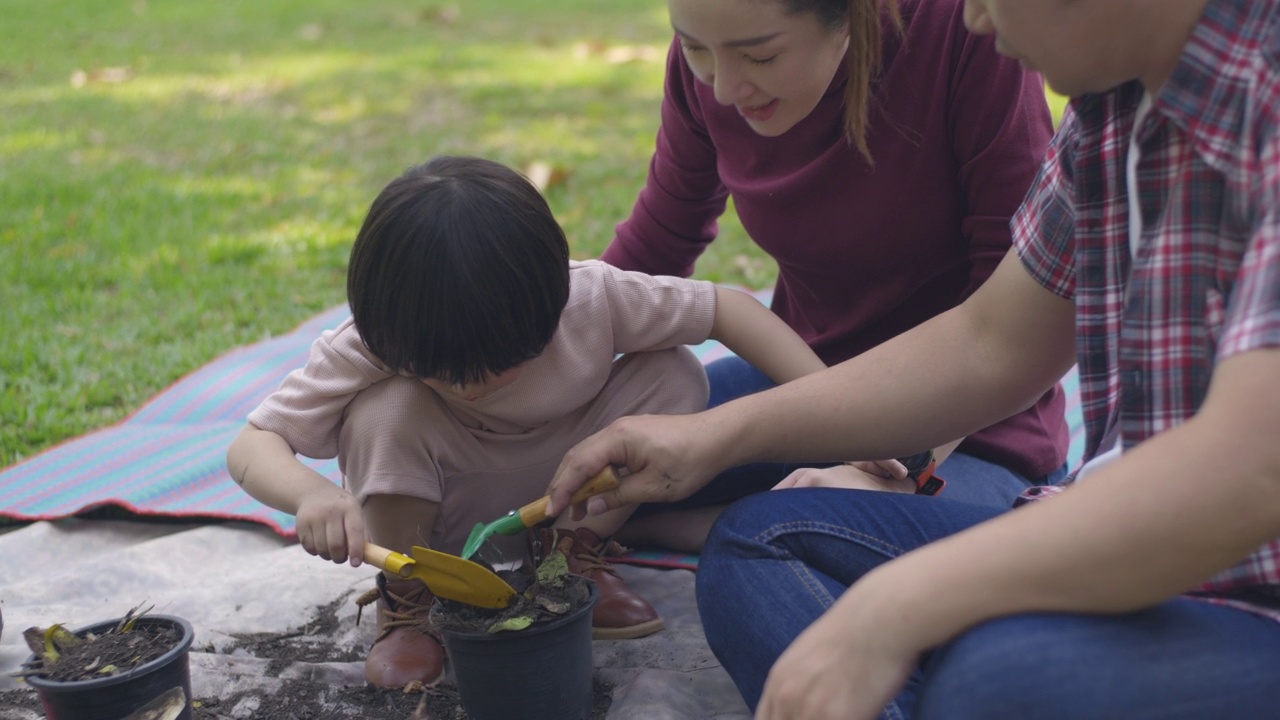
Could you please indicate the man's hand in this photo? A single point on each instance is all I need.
(850, 663)
(667, 457)
(330, 525)
(850, 476)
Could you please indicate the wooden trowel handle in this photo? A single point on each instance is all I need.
(389, 560)
(536, 511)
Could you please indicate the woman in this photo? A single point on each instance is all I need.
(876, 150)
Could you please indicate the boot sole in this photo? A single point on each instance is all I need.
(627, 633)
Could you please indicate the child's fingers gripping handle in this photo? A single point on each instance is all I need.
(536, 511)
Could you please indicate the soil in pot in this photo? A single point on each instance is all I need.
(304, 697)
(112, 669)
(532, 659)
(97, 655)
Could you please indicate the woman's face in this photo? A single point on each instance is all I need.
(773, 67)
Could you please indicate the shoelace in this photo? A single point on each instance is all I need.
(399, 612)
(592, 558)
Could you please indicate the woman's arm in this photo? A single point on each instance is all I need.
(965, 369)
(748, 328)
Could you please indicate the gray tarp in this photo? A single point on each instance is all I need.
(235, 580)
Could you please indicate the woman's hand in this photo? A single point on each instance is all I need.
(331, 525)
(849, 476)
(886, 469)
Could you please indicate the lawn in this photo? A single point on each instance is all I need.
(180, 178)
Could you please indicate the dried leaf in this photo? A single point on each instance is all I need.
(34, 637)
(544, 175)
(555, 607)
(618, 54)
(105, 76)
(130, 618)
(446, 15)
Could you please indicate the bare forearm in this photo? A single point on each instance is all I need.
(755, 334)
(895, 399)
(266, 467)
(959, 372)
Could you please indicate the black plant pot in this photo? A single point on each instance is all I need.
(166, 678)
(540, 673)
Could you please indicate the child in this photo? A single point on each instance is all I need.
(477, 353)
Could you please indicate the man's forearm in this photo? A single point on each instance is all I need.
(959, 372)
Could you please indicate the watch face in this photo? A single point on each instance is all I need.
(917, 464)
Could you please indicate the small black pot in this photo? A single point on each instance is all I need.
(115, 697)
(540, 673)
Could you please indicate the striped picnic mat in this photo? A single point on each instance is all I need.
(168, 458)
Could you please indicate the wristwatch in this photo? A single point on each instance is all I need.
(920, 469)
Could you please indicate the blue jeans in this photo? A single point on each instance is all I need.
(774, 563)
(969, 479)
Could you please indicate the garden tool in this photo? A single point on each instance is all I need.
(447, 576)
(535, 512)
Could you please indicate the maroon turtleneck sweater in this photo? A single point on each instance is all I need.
(864, 253)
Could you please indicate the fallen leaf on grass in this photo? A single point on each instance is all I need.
(104, 76)
(311, 31)
(446, 15)
(544, 175)
(617, 54)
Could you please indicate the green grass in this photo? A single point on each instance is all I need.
(180, 178)
(206, 194)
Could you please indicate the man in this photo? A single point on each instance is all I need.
(1148, 251)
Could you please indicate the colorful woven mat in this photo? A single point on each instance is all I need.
(168, 458)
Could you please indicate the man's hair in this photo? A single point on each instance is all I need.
(460, 270)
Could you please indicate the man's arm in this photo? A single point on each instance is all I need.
(1164, 517)
(963, 370)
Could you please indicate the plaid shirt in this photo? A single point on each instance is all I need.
(1205, 282)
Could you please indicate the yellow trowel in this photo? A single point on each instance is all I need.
(447, 576)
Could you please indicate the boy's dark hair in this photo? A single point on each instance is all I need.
(459, 270)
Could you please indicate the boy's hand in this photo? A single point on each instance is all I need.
(331, 525)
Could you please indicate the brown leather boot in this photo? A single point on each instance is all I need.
(407, 648)
(620, 614)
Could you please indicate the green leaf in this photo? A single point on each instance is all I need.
(553, 570)
(56, 639)
(511, 624)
